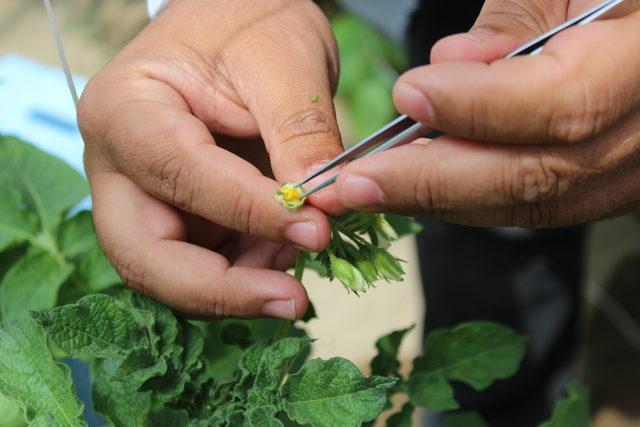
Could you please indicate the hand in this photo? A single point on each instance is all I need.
(541, 141)
(183, 131)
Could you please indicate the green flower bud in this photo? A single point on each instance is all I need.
(388, 265)
(384, 231)
(368, 270)
(350, 276)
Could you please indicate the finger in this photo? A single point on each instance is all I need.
(172, 156)
(142, 237)
(450, 174)
(562, 95)
(291, 98)
(501, 26)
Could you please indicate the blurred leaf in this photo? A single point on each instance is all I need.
(573, 411)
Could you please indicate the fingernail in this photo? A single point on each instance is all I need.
(360, 192)
(284, 309)
(304, 235)
(414, 102)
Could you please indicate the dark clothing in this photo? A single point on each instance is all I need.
(531, 283)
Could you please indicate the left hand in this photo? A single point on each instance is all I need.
(541, 141)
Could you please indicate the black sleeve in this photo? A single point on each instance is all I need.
(435, 19)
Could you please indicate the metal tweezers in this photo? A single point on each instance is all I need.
(404, 130)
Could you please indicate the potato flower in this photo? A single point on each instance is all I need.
(290, 196)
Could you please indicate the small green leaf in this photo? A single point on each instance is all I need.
(138, 367)
(386, 361)
(32, 283)
(334, 392)
(96, 326)
(404, 225)
(30, 375)
(574, 410)
(476, 353)
(466, 419)
(120, 402)
(263, 416)
(404, 418)
(32, 172)
(77, 235)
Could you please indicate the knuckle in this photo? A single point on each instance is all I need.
(173, 180)
(306, 124)
(423, 192)
(537, 178)
(214, 303)
(130, 267)
(582, 116)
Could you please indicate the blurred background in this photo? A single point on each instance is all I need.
(35, 105)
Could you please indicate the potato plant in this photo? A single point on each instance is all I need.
(59, 298)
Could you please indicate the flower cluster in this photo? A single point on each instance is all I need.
(357, 254)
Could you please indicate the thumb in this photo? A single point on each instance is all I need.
(501, 26)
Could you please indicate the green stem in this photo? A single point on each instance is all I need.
(285, 325)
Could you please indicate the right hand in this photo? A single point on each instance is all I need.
(174, 128)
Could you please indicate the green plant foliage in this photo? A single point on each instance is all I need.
(386, 361)
(11, 413)
(30, 376)
(334, 392)
(574, 410)
(59, 258)
(404, 418)
(369, 68)
(476, 353)
(151, 367)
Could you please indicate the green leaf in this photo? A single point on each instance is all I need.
(193, 345)
(30, 375)
(272, 365)
(120, 402)
(32, 283)
(32, 172)
(404, 225)
(164, 329)
(96, 326)
(466, 419)
(476, 353)
(386, 361)
(263, 416)
(573, 411)
(138, 367)
(17, 224)
(77, 235)
(334, 392)
(404, 418)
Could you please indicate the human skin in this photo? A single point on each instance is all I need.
(544, 141)
(188, 131)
